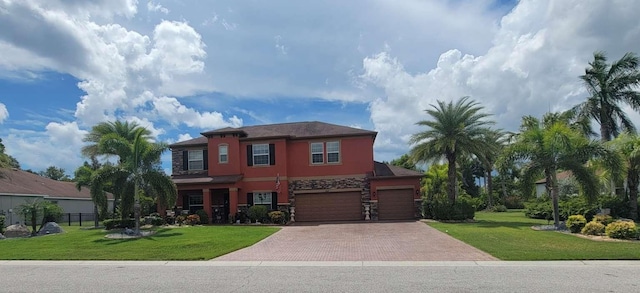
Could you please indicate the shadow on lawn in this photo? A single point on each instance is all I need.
(501, 224)
(161, 233)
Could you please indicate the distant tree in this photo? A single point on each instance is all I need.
(405, 162)
(7, 161)
(83, 176)
(454, 130)
(55, 173)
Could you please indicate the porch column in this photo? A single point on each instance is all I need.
(233, 200)
(206, 203)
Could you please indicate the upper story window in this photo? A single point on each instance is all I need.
(333, 152)
(317, 153)
(260, 154)
(223, 153)
(196, 160)
(330, 149)
(263, 154)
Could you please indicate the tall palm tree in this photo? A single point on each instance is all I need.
(609, 86)
(628, 145)
(455, 129)
(138, 171)
(126, 130)
(551, 145)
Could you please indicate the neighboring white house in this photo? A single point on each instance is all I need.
(541, 188)
(17, 186)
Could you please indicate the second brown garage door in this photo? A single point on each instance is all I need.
(338, 206)
(396, 204)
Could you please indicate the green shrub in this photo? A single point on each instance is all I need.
(603, 219)
(577, 205)
(618, 207)
(575, 223)
(52, 212)
(513, 202)
(441, 209)
(277, 217)
(155, 220)
(622, 230)
(192, 220)
(257, 213)
(118, 223)
(2, 222)
(593, 228)
(204, 218)
(539, 209)
(498, 209)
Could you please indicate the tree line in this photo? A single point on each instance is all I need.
(460, 134)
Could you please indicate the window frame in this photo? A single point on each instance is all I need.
(190, 160)
(267, 201)
(199, 205)
(226, 153)
(333, 152)
(254, 155)
(321, 152)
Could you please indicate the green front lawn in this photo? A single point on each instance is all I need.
(188, 243)
(508, 236)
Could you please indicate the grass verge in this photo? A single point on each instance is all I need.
(508, 236)
(188, 243)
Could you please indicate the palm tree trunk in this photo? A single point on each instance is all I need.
(632, 182)
(136, 209)
(451, 173)
(489, 188)
(554, 198)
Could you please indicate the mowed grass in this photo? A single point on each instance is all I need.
(508, 236)
(188, 243)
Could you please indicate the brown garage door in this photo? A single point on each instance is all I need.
(395, 204)
(339, 206)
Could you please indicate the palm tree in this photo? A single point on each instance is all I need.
(610, 85)
(455, 130)
(497, 138)
(83, 176)
(628, 145)
(126, 130)
(551, 145)
(138, 171)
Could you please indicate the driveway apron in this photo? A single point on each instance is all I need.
(381, 241)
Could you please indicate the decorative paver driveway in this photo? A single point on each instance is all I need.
(392, 241)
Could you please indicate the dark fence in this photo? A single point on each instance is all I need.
(77, 219)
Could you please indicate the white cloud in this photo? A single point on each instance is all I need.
(4, 113)
(184, 136)
(155, 7)
(533, 65)
(175, 113)
(58, 145)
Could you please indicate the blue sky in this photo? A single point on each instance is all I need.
(183, 67)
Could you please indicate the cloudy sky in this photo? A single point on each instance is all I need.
(182, 67)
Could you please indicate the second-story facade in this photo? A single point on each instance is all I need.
(316, 171)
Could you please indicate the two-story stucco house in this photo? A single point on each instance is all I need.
(317, 171)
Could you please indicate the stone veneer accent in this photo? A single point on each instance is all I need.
(176, 165)
(336, 184)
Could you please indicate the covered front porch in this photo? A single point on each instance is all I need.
(218, 203)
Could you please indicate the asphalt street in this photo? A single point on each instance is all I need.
(489, 276)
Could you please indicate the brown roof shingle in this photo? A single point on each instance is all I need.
(22, 182)
(295, 130)
(386, 170)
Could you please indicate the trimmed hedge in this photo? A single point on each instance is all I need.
(258, 213)
(593, 228)
(575, 223)
(441, 209)
(622, 230)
